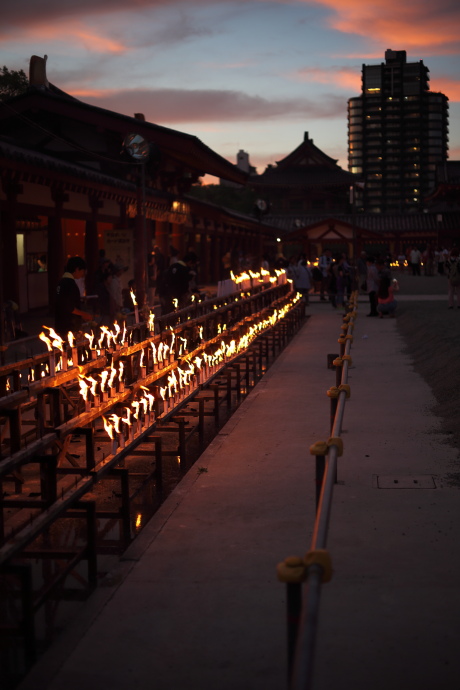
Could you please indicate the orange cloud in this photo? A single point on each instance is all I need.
(72, 33)
(451, 87)
(343, 77)
(392, 22)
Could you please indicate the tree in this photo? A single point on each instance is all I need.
(12, 83)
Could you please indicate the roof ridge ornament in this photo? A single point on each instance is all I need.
(37, 72)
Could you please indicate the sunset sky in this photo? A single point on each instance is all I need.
(238, 74)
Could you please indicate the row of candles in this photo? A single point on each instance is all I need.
(114, 339)
(180, 382)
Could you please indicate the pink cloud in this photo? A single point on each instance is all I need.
(413, 24)
(344, 77)
(450, 87)
(174, 106)
(72, 33)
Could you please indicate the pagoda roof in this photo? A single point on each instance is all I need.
(307, 165)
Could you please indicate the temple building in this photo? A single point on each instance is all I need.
(70, 185)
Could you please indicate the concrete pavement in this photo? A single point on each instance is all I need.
(195, 604)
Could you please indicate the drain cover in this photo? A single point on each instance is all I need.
(420, 481)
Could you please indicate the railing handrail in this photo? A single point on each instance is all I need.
(312, 570)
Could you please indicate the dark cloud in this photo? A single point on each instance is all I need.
(29, 12)
(175, 106)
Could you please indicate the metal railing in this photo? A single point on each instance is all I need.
(305, 576)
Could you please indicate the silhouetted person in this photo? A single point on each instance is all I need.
(68, 312)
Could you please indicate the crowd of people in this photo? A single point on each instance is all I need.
(173, 279)
(335, 276)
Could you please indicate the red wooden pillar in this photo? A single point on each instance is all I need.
(92, 245)
(8, 244)
(162, 237)
(178, 238)
(56, 257)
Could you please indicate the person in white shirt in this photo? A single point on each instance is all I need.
(324, 265)
(415, 260)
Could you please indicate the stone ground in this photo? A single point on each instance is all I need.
(432, 334)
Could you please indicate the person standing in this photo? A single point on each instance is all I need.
(68, 312)
(372, 280)
(452, 271)
(415, 260)
(324, 265)
(362, 272)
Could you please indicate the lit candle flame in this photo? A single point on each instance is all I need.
(57, 340)
(135, 404)
(172, 383)
(151, 322)
(108, 427)
(71, 339)
(90, 339)
(46, 340)
(113, 373)
(92, 384)
(150, 398)
(104, 376)
(133, 297)
(127, 419)
(116, 422)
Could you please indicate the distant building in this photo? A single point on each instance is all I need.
(307, 180)
(242, 162)
(397, 135)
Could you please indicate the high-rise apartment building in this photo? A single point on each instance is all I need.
(397, 135)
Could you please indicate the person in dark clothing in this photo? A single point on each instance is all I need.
(68, 312)
(175, 286)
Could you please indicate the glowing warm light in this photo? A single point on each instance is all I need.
(135, 405)
(115, 419)
(127, 419)
(57, 340)
(90, 339)
(92, 384)
(46, 340)
(104, 376)
(71, 339)
(133, 297)
(113, 373)
(108, 427)
(151, 322)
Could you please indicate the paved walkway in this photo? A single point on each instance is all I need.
(195, 604)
